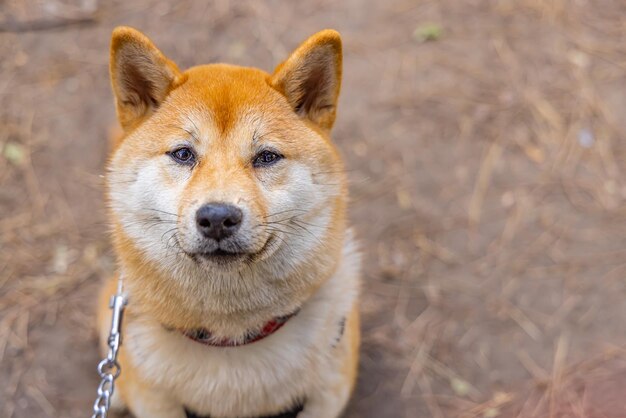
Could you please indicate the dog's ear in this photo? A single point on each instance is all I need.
(311, 78)
(141, 76)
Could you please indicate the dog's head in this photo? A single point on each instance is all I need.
(224, 170)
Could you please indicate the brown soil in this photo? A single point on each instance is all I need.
(485, 141)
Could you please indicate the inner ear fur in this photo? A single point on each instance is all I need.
(310, 78)
(141, 76)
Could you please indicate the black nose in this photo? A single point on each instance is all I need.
(218, 220)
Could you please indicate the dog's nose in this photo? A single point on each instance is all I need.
(218, 220)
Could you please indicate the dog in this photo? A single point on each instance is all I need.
(227, 202)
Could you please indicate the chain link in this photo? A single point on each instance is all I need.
(109, 369)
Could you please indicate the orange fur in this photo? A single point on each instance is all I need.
(226, 113)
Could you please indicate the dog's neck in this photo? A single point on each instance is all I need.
(206, 337)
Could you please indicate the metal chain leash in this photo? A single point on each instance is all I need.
(109, 369)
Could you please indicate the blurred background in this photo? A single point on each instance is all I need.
(487, 155)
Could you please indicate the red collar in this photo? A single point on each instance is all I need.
(204, 336)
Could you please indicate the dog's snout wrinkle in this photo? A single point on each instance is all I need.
(218, 220)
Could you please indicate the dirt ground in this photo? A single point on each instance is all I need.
(485, 142)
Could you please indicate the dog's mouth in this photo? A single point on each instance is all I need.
(219, 256)
(224, 257)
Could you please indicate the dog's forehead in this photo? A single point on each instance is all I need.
(223, 96)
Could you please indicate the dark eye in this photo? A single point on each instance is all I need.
(265, 158)
(183, 155)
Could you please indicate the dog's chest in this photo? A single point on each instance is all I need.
(249, 381)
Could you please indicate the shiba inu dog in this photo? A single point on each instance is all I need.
(227, 202)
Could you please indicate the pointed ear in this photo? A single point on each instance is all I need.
(141, 76)
(311, 78)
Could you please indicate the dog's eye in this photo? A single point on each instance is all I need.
(265, 158)
(183, 155)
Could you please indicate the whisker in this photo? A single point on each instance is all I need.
(280, 221)
(162, 211)
(284, 211)
(309, 224)
(274, 226)
(168, 231)
(309, 232)
(295, 234)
